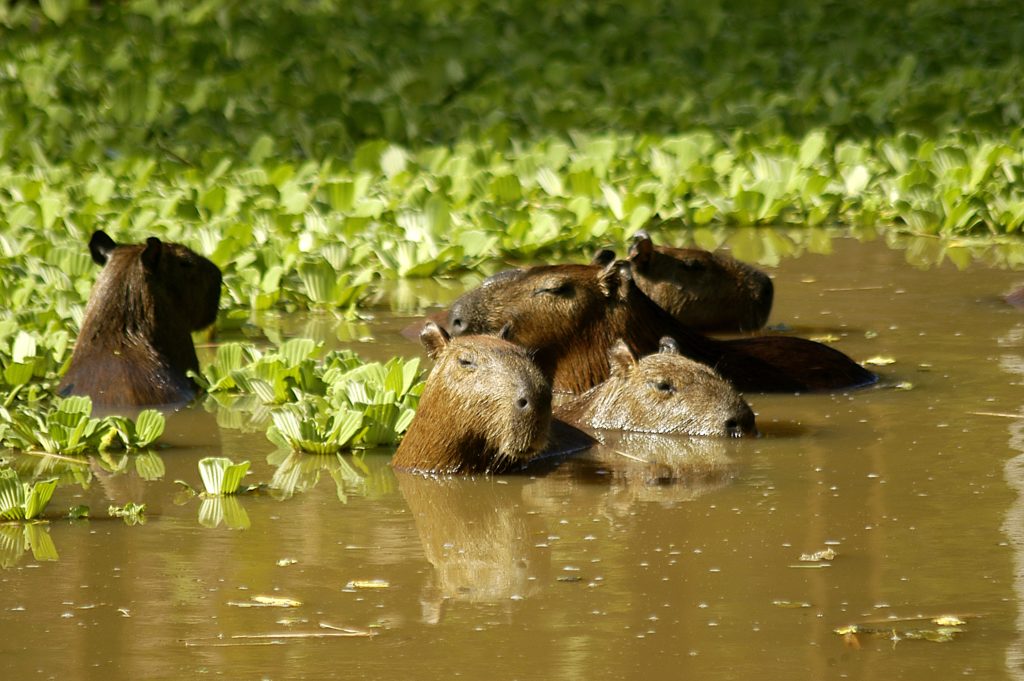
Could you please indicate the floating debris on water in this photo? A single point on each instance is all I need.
(368, 584)
(267, 602)
(824, 554)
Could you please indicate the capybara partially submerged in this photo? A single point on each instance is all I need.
(486, 407)
(571, 315)
(135, 345)
(703, 290)
(661, 393)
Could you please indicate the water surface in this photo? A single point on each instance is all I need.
(601, 567)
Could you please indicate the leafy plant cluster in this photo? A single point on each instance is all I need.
(65, 426)
(318, 406)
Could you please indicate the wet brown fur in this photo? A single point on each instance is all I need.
(486, 408)
(135, 344)
(661, 393)
(703, 290)
(571, 316)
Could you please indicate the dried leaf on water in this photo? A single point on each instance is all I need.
(824, 554)
(368, 584)
(826, 338)
(267, 602)
(878, 361)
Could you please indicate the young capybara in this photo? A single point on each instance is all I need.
(703, 290)
(135, 345)
(486, 407)
(661, 393)
(571, 315)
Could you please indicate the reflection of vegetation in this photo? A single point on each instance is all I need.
(223, 509)
(352, 475)
(15, 540)
(23, 500)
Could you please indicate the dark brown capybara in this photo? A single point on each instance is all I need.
(486, 407)
(661, 393)
(135, 345)
(703, 290)
(571, 315)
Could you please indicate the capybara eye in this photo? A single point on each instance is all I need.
(560, 289)
(467, 363)
(663, 386)
(692, 264)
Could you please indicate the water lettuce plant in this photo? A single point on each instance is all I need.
(221, 476)
(66, 426)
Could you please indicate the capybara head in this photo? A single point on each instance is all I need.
(663, 392)
(560, 311)
(571, 315)
(703, 290)
(183, 285)
(135, 344)
(486, 407)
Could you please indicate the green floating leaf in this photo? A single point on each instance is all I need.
(149, 426)
(221, 475)
(38, 497)
(131, 513)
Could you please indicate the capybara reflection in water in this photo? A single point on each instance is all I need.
(486, 407)
(135, 345)
(703, 290)
(571, 315)
(661, 393)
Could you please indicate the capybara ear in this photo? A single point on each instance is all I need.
(100, 247)
(506, 332)
(608, 279)
(621, 359)
(640, 250)
(668, 345)
(150, 255)
(603, 257)
(434, 339)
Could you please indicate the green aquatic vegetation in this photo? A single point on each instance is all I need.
(131, 513)
(317, 406)
(221, 476)
(23, 500)
(304, 428)
(66, 426)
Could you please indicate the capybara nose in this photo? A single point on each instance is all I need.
(741, 424)
(456, 320)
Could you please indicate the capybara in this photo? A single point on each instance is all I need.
(135, 345)
(703, 290)
(486, 407)
(571, 315)
(661, 393)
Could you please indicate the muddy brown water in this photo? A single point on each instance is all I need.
(599, 568)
